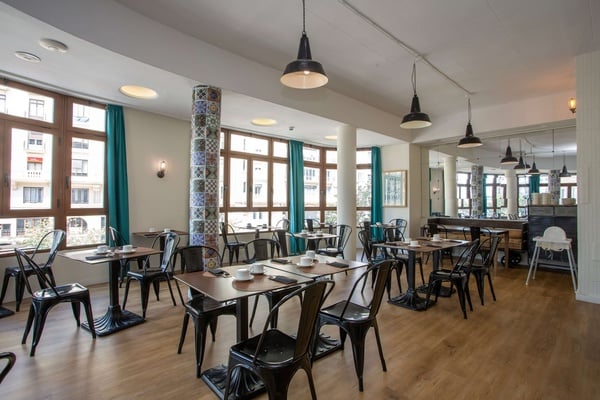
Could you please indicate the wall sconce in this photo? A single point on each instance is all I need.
(162, 167)
(435, 189)
(572, 105)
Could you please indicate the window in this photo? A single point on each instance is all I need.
(33, 125)
(33, 195)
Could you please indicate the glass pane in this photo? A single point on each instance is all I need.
(238, 182)
(87, 173)
(280, 149)
(221, 184)
(362, 215)
(501, 179)
(331, 196)
(310, 154)
(363, 157)
(314, 214)
(86, 230)
(280, 183)
(462, 179)
(260, 182)
(31, 170)
(363, 187)
(311, 187)
(23, 232)
(240, 220)
(222, 140)
(249, 144)
(331, 216)
(31, 105)
(331, 156)
(87, 117)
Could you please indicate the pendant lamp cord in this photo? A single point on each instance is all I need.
(414, 78)
(303, 18)
(469, 108)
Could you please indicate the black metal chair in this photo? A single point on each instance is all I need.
(400, 225)
(203, 310)
(152, 276)
(47, 297)
(274, 355)
(116, 240)
(401, 255)
(481, 270)
(458, 277)
(56, 236)
(374, 257)
(343, 232)
(259, 250)
(11, 359)
(231, 242)
(354, 319)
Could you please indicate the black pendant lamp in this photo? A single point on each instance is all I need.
(521, 164)
(415, 119)
(564, 173)
(509, 159)
(470, 140)
(304, 73)
(534, 170)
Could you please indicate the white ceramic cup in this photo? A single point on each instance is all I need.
(166, 230)
(310, 253)
(436, 236)
(414, 242)
(407, 240)
(257, 269)
(306, 261)
(127, 248)
(242, 274)
(102, 248)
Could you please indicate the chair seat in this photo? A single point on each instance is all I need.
(148, 274)
(354, 312)
(71, 289)
(278, 348)
(445, 273)
(201, 305)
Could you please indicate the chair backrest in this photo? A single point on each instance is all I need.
(115, 239)
(199, 258)
(382, 269)
(364, 239)
(280, 236)
(227, 232)
(313, 296)
(465, 260)
(168, 255)
(492, 242)
(311, 223)
(261, 249)
(56, 237)
(26, 262)
(554, 233)
(283, 223)
(401, 225)
(10, 358)
(344, 232)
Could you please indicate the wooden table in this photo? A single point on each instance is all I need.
(226, 288)
(313, 237)
(154, 234)
(410, 299)
(115, 319)
(478, 231)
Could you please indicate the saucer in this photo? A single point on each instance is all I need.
(242, 280)
(436, 240)
(304, 265)
(126, 252)
(257, 273)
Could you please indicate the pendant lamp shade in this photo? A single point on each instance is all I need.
(509, 159)
(469, 140)
(415, 119)
(304, 72)
(521, 164)
(564, 173)
(534, 170)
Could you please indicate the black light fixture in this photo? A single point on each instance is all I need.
(521, 164)
(304, 73)
(415, 119)
(470, 140)
(564, 173)
(534, 170)
(509, 159)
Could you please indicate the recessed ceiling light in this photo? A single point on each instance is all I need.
(53, 45)
(138, 92)
(331, 137)
(25, 56)
(263, 121)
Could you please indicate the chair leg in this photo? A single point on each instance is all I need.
(379, 347)
(156, 286)
(19, 291)
(90, 317)
(184, 325)
(199, 343)
(30, 318)
(38, 327)
(491, 287)
(145, 292)
(126, 293)
(4, 286)
(461, 299)
(358, 351)
(76, 306)
(253, 311)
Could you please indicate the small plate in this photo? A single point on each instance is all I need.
(257, 273)
(126, 252)
(436, 240)
(304, 266)
(243, 280)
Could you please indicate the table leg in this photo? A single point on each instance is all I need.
(445, 291)
(410, 299)
(244, 384)
(115, 318)
(506, 251)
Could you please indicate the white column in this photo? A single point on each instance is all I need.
(512, 201)
(450, 198)
(346, 174)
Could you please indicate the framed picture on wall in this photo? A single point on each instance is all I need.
(394, 188)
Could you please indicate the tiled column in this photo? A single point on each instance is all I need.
(476, 190)
(554, 185)
(204, 166)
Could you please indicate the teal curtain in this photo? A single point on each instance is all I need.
(376, 191)
(534, 184)
(483, 195)
(296, 201)
(116, 167)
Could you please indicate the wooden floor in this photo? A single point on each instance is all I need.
(535, 342)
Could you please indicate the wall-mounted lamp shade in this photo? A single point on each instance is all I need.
(162, 167)
(304, 73)
(509, 159)
(415, 119)
(572, 105)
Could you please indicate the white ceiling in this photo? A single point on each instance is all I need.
(510, 56)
